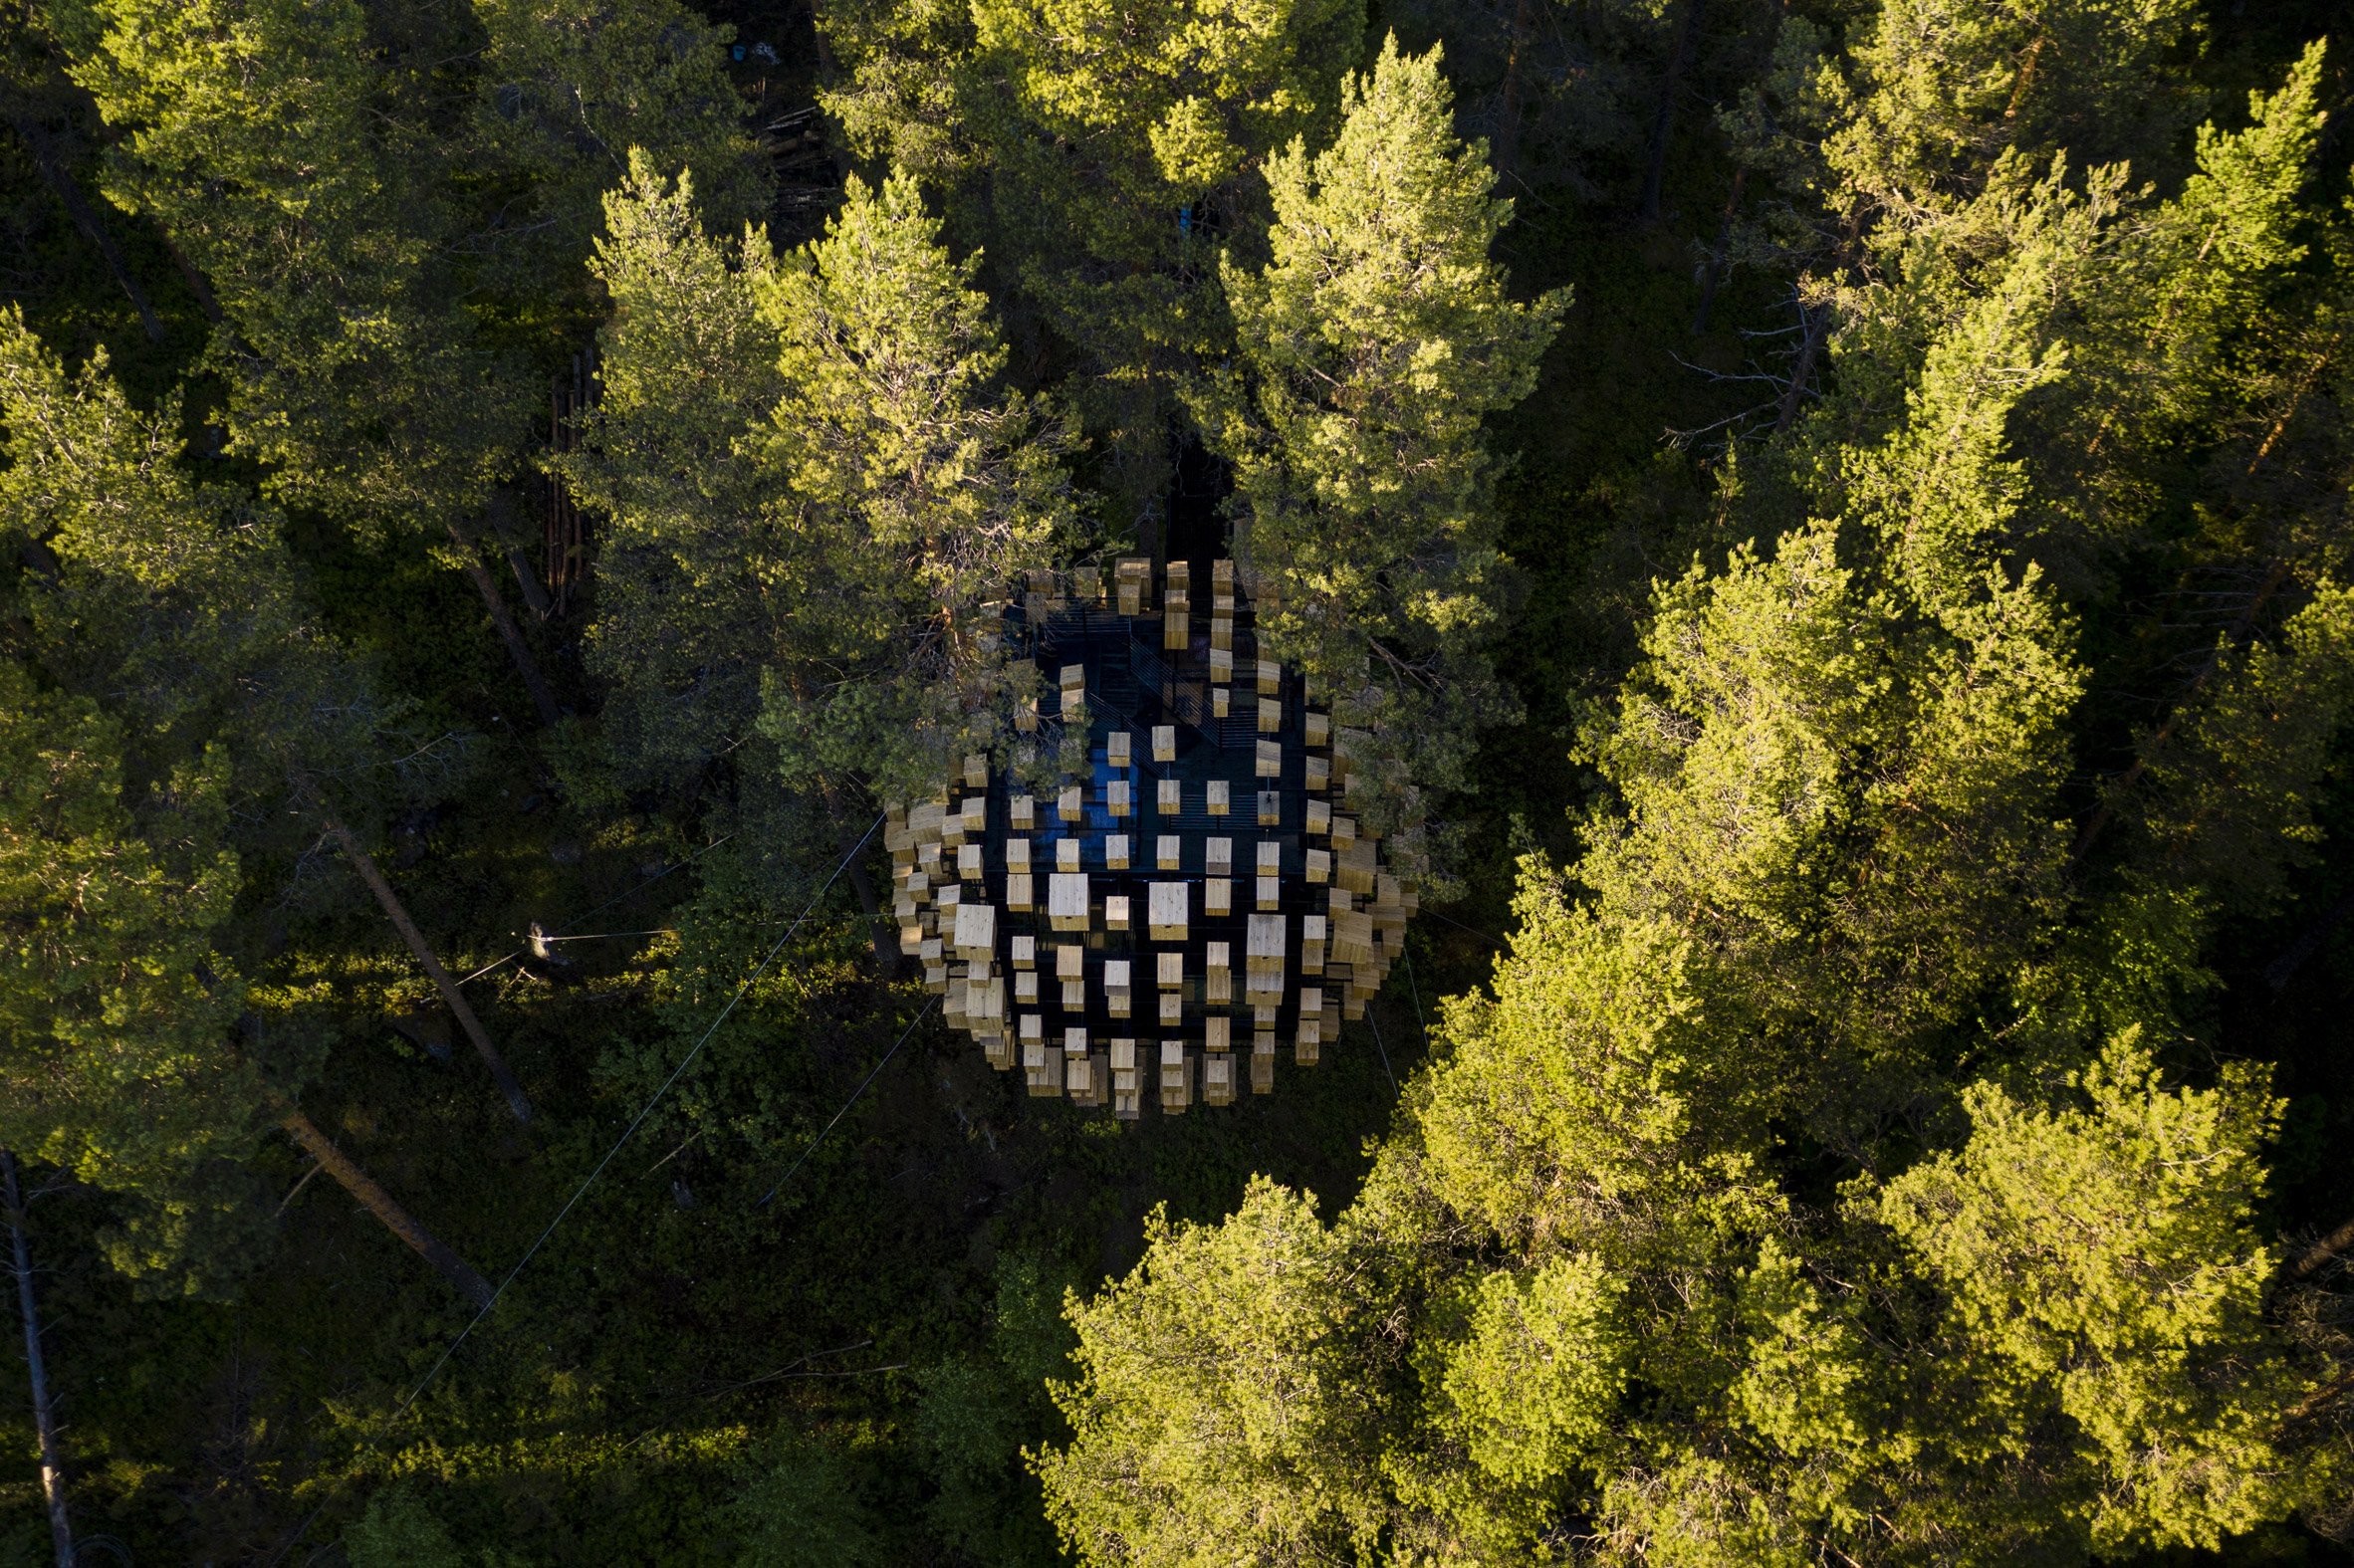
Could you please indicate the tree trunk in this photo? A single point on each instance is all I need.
(2024, 77)
(2320, 1398)
(828, 71)
(2295, 396)
(885, 931)
(1664, 123)
(49, 158)
(2322, 1252)
(1507, 119)
(534, 592)
(364, 863)
(1716, 266)
(1816, 322)
(543, 697)
(379, 1202)
(53, 1473)
(199, 285)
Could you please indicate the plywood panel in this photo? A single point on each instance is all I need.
(1167, 912)
(975, 928)
(1066, 900)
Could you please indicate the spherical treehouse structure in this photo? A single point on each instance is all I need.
(1151, 934)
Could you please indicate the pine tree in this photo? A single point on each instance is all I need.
(569, 92)
(1812, 767)
(1165, 109)
(2183, 334)
(1376, 340)
(1910, 152)
(2045, 1338)
(1942, 91)
(819, 495)
(1945, 360)
(1220, 1409)
(280, 157)
(901, 89)
(41, 105)
(110, 900)
(176, 602)
(2206, 263)
(2221, 797)
(818, 481)
(1121, 145)
(689, 607)
(118, 1000)
(1572, 1105)
(924, 491)
(350, 241)
(1534, 1385)
(2101, 1274)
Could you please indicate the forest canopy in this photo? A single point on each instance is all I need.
(1818, 536)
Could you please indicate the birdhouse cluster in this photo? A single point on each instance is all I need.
(1150, 935)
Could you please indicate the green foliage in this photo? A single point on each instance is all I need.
(2100, 1266)
(569, 91)
(2228, 806)
(819, 482)
(2206, 262)
(307, 162)
(280, 155)
(170, 689)
(799, 1508)
(2066, 1344)
(1940, 90)
(1103, 152)
(174, 601)
(1535, 1384)
(1575, 1118)
(1847, 801)
(398, 1531)
(976, 1414)
(112, 1002)
(1167, 109)
(1218, 1409)
(1377, 340)
(694, 544)
(1945, 488)
(898, 96)
(922, 491)
(164, 592)
(1857, 1150)
(120, 872)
